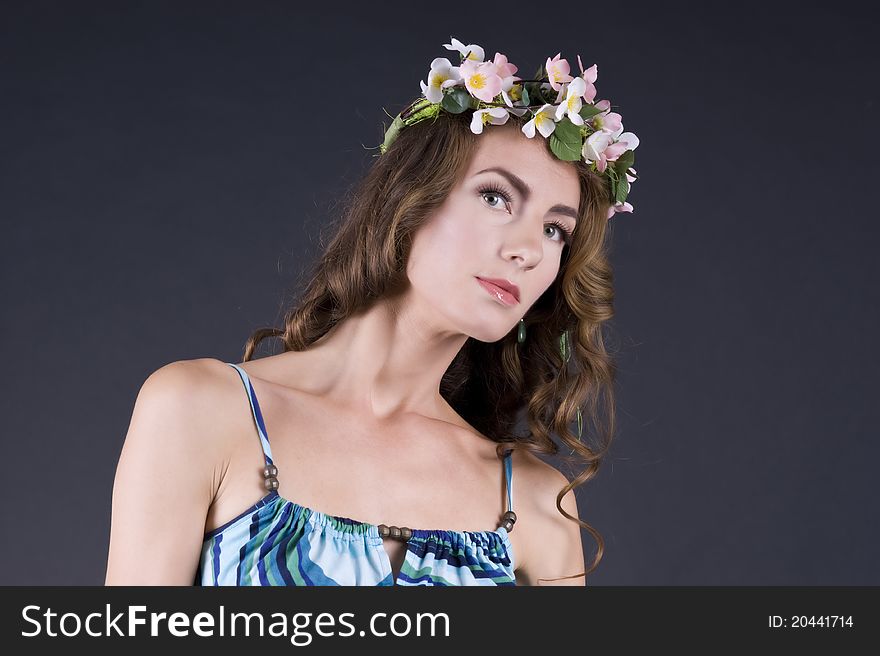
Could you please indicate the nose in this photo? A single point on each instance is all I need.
(524, 242)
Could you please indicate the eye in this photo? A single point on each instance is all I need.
(496, 194)
(564, 233)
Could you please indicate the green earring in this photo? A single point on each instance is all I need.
(563, 347)
(521, 333)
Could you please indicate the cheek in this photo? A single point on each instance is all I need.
(546, 272)
(447, 249)
(548, 279)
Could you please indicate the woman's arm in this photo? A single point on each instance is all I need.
(551, 543)
(563, 554)
(165, 479)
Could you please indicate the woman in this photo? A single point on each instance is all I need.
(394, 402)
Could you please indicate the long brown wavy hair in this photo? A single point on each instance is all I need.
(488, 384)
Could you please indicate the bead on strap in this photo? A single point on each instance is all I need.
(270, 471)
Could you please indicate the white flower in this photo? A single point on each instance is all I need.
(594, 149)
(596, 144)
(573, 103)
(518, 111)
(493, 115)
(543, 121)
(472, 51)
(442, 74)
(628, 138)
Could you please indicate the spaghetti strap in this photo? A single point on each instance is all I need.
(508, 475)
(255, 411)
(277, 541)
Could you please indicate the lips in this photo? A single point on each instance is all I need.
(511, 291)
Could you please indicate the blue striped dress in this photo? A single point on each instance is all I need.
(279, 542)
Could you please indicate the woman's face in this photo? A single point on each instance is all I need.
(498, 222)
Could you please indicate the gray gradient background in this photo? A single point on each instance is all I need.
(163, 183)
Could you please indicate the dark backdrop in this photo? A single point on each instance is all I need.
(163, 181)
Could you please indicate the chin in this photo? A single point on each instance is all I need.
(488, 333)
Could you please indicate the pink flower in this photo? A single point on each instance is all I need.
(627, 141)
(630, 178)
(607, 121)
(589, 76)
(619, 207)
(481, 79)
(506, 72)
(557, 71)
(505, 68)
(614, 151)
(594, 149)
(600, 147)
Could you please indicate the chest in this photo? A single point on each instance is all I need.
(415, 472)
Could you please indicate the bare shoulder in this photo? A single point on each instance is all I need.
(168, 472)
(188, 412)
(208, 396)
(539, 479)
(197, 390)
(186, 379)
(550, 542)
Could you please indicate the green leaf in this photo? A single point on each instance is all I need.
(620, 192)
(525, 95)
(456, 100)
(624, 162)
(536, 94)
(588, 111)
(565, 141)
(568, 131)
(563, 149)
(544, 99)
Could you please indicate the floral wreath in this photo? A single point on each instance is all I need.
(575, 126)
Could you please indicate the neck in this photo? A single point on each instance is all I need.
(388, 360)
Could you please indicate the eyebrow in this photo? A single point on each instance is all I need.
(525, 191)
